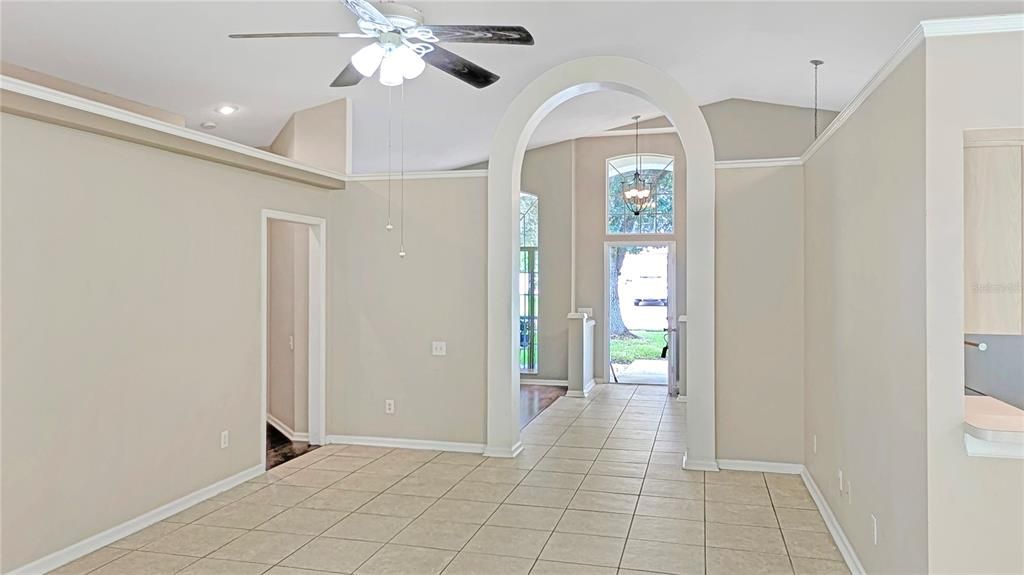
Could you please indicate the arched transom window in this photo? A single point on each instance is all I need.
(657, 170)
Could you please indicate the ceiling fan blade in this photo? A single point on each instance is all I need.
(367, 12)
(303, 35)
(348, 77)
(460, 67)
(481, 34)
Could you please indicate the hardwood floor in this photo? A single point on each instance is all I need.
(280, 449)
(534, 399)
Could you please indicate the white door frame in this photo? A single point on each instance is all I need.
(671, 311)
(317, 324)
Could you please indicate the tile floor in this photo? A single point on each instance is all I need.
(597, 490)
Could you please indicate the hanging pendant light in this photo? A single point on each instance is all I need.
(638, 195)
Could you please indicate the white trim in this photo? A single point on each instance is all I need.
(980, 447)
(288, 432)
(761, 163)
(401, 443)
(587, 388)
(538, 381)
(682, 319)
(490, 451)
(429, 175)
(761, 466)
(977, 25)
(699, 464)
(681, 398)
(88, 545)
(93, 107)
(630, 132)
(845, 548)
(317, 373)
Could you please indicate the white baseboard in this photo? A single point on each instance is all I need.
(681, 398)
(699, 464)
(288, 432)
(401, 443)
(515, 450)
(86, 546)
(849, 555)
(761, 466)
(538, 381)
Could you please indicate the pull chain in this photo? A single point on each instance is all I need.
(389, 227)
(401, 183)
(816, 63)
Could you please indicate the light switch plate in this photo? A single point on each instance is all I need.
(439, 348)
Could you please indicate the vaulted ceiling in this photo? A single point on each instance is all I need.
(176, 56)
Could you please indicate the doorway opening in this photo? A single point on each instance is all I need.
(293, 335)
(639, 296)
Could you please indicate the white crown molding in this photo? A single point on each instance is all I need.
(86, 546)
(761, 466)
(763, 163)
(978, 25)
(838, 535)
(118, 114)
(288, 432)
(434, 175)
(400, 443)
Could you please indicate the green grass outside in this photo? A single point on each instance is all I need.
(647, 345)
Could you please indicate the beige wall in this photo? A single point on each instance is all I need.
(864, 289)
(318, 136)
(288, 317)
(131, 291)
(975, 505)
(387, 310)
(548, 174)
(746, 129)
(759, 295)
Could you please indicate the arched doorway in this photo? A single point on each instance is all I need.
(522, 117)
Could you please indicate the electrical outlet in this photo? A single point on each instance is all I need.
(389, 406)
(814, 442)
(874, 528)
(225, 440)
(840, 481)
(439, 348)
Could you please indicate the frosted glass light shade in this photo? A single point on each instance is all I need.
(368, 58)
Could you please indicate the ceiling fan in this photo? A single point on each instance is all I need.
(404, 45)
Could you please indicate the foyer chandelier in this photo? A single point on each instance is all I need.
(638, 195)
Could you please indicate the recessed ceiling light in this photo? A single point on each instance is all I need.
(227, 109)
(208, 125)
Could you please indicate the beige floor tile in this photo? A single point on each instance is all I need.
(194, 540)
(666, 458)
(663, 557)
(559, 568)
(241, 515)
(671, 508)
(398, 505)
(480, 491)
(553, 479)
(392, 466)
(87, 563)
(223, 567)
(420, 455)
(437, 470)
(811, 545)
(807, 566)
(146, 536)
(281, 570)
(277, 494)
(561, 465)
(195, 512)
(629, 444)
(337, 463)
(735, 562)
(475, 512)
(363, 527)
(784, 480)
(625, 433)
(303, 521)
(509, 541)
(373, 482)
(733, 477)
(422, 486)
(584, 453)
(334, 555)
(801, 519)
(480, 564)
(365, 451)
(540, 496)
(667, 530)
(585, 549)
(669, 446)
(460, 458)
(525, 517)
(619, 469)
(745, 538)
(673, 473)
(798, 498)
(338, 500)
(237, 492)
(497, 475)
(595, 523)
(144, 563)
(742, 494)
(447, 535)
(602, 501)
(624, 456)
(674, 489)
(580, 440)
(738, 514)
(261, 547)
(609, 484)
(318, 478)
(401, 560)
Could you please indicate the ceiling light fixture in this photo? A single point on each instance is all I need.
(638, 197)
(208, 125)
(226, 109)
(397, 59)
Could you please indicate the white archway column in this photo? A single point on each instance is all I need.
(522, 117)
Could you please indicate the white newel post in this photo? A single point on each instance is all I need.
(581, 354)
